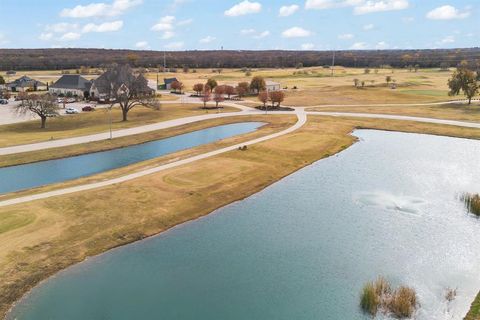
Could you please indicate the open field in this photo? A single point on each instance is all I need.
(93, 122)
(39, 238)
(461, 112)
(315, 85)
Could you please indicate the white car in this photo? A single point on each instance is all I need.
(71, 111)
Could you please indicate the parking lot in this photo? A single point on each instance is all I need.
(8, 114)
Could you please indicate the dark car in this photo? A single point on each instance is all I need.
(3, 101)
(88, 108)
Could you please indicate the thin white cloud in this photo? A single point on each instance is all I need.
(165, 24)
(286, 11)
(447, 40)
(45, 36)
(142, 45)
(359, 46)
(103, 27)
(175, 45)
(296, 32)
(247, 31)
(359, 6)
(184, 22)
(368, 27)
(3, 39)
(381, 6)
(346, 36)
(447, 13)
(168, 35)
(207, 39)
(243, 8)
(382, 45)
(100, 9)
(70, 36)
(61, 27)
(261, 35)
(308, 46)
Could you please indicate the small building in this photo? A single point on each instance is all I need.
(24, 84)
(167, 83)
(272, 86)
(71, 85)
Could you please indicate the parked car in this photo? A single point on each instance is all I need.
(71, 111)
(3, 101)
(88, 108)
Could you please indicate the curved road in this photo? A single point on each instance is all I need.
(302, 119)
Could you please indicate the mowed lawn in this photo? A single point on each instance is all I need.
(93, 122)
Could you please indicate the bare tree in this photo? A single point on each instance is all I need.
(128, 89)
(206, 96)
(44, 106)
(218, 96)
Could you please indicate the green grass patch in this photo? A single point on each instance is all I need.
(431, 93)
(15, 220)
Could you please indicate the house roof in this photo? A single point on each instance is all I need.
(72, 81)
(121, 73)
(169, 80)
(25, 82)
(272, 83)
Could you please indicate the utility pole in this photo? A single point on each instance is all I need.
(164, 62)
(333, 62)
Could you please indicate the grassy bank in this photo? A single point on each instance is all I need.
(103, 145)
(461, 112)
(93, 122)
(42, 237)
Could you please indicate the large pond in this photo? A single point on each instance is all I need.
(300, 249)
(46, 172)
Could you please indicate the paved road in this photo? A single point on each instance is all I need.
(302, 118)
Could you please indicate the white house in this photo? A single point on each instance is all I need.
(272, 86)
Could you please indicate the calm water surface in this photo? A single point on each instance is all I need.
(302, 248)
(46, 172)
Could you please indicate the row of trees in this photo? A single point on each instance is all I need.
(74, 58)
(275, 97)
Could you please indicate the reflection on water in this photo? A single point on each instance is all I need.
(302, 248)
(389, 202)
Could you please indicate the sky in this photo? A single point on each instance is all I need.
(240, 24)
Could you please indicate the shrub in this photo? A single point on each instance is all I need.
(472, 203)
(369, 300)
(403, 302)
(378, 295)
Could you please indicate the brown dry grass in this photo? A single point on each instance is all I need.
(461, 112)
(41, 237)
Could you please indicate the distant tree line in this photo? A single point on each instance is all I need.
(70, 58)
